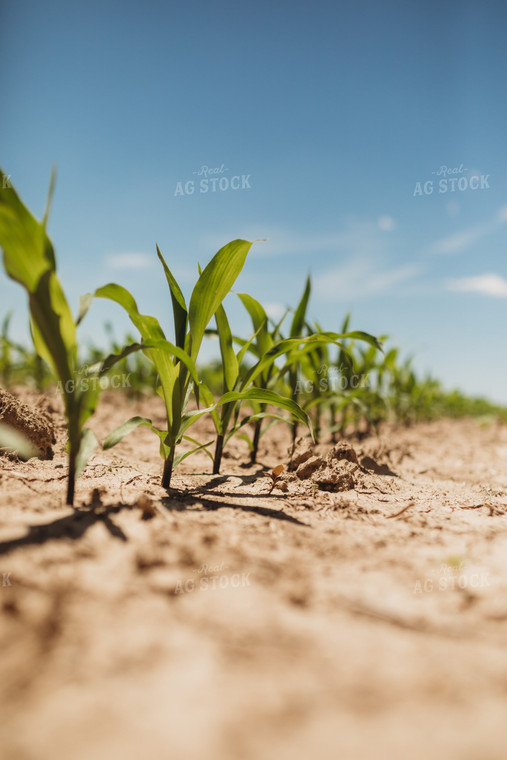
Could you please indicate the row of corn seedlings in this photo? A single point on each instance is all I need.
(291, 370)
(29, 259)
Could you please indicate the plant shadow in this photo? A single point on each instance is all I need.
(72, 526)
(202, 503)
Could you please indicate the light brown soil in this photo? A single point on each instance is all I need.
(222, 622)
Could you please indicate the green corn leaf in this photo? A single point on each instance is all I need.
(52, 325)
(277, 326)
(209, 401)
(356, 335)
(230, 364)
(245, 345)
(298, 320)
(278, 349)
(252, 418)
(87, 447)
(259, 321)
(147, 326)
(179, 306)
(267, 397)
(243, 437)
(85, 301)
(150, 331)
(49, 199)
(27, 250)
(346, 323)
(101, 368)
(29, 259)
(252, 394)
(248, 346)
(126, 427)
(199, 447)
(212, 286)
(178, 353)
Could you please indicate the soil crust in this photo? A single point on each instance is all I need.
(356, 610)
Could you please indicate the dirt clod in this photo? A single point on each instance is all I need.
(302, 451)
(343, 450)
(337, 478)
(309, 466)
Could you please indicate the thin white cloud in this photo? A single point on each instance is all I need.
(360, 278)
(386, 223)
(358, 236)
(129, 261)
(502, 214)
(453, 208)
(489, 284)
(463, 239)
(275, 310)
(460, 240)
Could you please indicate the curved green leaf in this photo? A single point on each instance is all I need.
(230, 364)
(86, 448)
(267, 397)
(298, 320)
(126, 427)
(180, 312)
(212, 286)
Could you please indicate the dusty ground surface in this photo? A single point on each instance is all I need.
(361, 623)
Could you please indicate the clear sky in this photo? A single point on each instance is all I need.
(325, 127)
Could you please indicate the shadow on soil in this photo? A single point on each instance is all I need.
(71, 526)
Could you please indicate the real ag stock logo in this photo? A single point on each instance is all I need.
(451, 180)
(212, 180)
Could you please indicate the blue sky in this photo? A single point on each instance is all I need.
(337, 119)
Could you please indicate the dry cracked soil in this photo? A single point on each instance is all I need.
(357, 611)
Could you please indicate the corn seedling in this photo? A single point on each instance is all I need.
(239, 388)
(266, 336)
(176, 363)
(303, 365)
(29, 259)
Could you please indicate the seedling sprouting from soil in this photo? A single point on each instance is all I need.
(176, 363)
(274, 475)
(29, 258)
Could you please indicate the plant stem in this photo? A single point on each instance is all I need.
(317, 423)
(255, 441)
(257, 436)
(218, 454)
(168, 470)
(333, 415)
(71, 481)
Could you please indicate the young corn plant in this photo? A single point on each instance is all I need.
(29, 258)
(302, 352)
(176, 362)
(239, 388)
(266, 335)
(304, 364)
